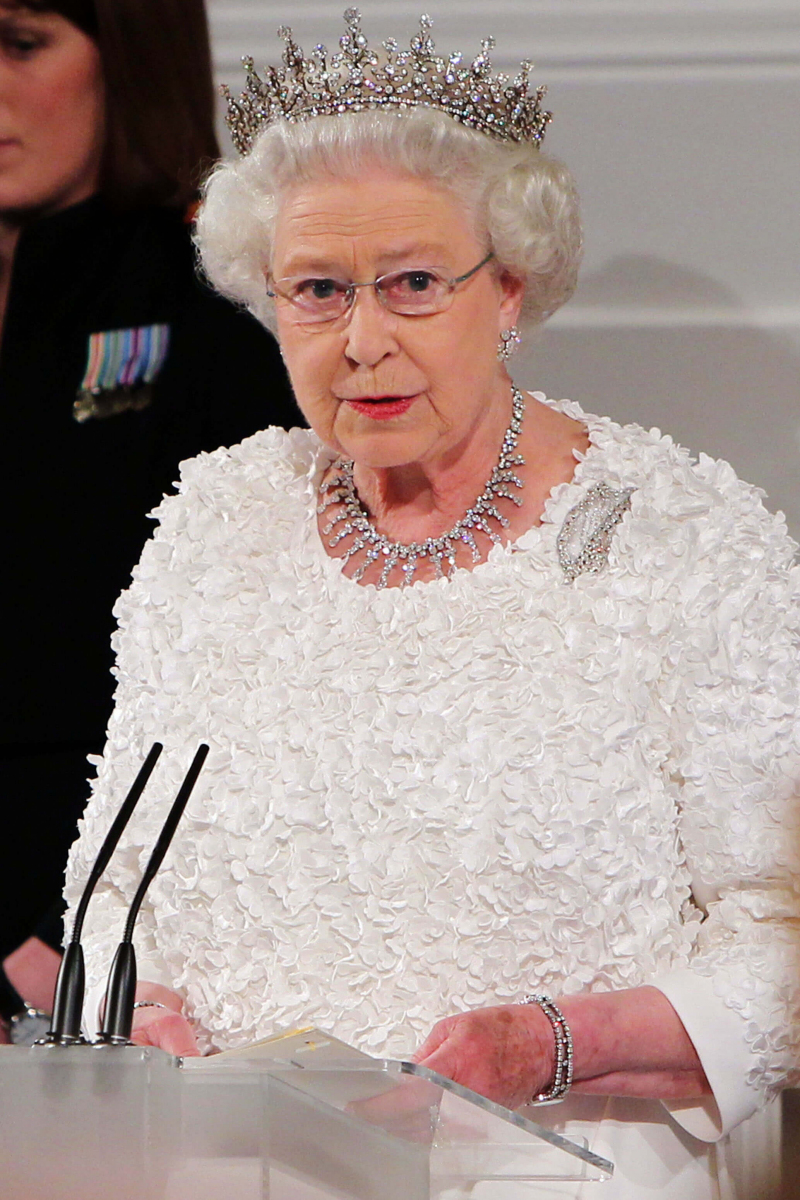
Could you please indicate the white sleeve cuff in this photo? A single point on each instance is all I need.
(717, 1034)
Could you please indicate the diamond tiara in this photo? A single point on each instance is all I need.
(357, 78)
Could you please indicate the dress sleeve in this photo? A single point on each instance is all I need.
(732, 699)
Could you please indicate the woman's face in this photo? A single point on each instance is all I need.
(441, 370)
(51, 112)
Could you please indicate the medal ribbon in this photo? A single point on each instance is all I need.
(125, 357)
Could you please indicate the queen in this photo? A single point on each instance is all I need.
(502, 697)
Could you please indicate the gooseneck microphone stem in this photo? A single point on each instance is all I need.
(121, 991)
(165, 837)
(115, 832)
(65, 1027)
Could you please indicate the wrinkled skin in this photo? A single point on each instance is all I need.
(627, 1043)
(506, 1053)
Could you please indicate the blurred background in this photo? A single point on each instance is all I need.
(679, 119)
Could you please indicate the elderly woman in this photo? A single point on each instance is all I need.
(502, 697)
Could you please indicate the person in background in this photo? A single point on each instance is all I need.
(116, 363)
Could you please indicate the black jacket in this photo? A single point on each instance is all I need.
(75, 496)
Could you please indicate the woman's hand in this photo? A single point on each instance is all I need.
(626, 1043)
(506, 1053)
(166, 1027)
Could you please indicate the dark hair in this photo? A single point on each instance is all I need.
(160, 137)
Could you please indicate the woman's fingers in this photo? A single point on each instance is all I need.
(162, 1023)
(169, 1031)
(434, 1040)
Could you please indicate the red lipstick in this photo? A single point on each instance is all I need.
(383, 409)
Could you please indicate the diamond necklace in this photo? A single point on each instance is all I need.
(353, 517)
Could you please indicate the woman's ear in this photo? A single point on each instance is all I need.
(513, 289)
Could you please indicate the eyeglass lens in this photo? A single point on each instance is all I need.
(414, 291)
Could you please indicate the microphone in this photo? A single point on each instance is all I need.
(121, 990)
(65, 1026)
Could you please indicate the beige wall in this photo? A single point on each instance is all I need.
(680, 123)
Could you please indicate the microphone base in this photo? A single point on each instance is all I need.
(62, 1039)
(112, 1039)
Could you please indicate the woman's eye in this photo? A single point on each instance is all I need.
(18, 44)
(413, 287)
(415, 281)
(317, 289)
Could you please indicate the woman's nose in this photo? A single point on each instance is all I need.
(371, 329)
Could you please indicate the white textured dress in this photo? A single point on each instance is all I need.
(425, 800)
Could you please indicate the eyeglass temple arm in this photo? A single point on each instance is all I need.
(482, 263)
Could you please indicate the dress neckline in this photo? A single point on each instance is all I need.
(533, 536)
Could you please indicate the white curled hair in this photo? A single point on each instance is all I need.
(524, 203)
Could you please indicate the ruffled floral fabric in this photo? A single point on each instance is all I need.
(432, 799)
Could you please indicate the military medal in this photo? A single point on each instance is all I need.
(120, 367)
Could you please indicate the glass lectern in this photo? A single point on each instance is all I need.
(298, 1118)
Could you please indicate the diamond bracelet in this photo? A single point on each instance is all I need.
(562, 1079)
